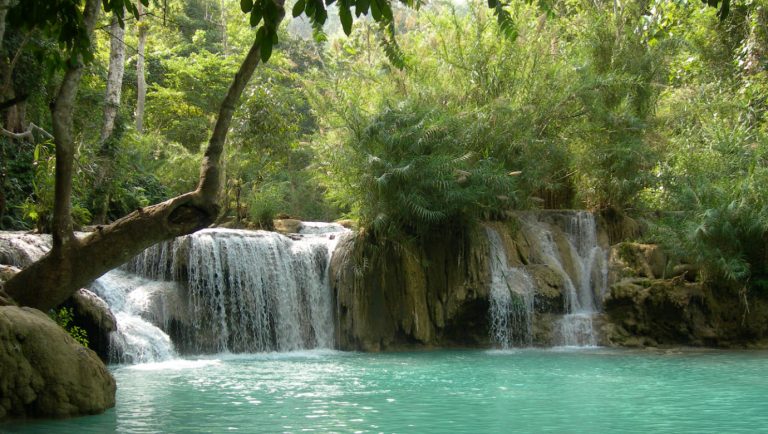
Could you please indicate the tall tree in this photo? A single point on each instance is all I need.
(114, 78)
(107, 143)
(73, 263)
(141, 80)
(4, 6)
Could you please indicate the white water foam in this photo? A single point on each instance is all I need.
(251, 291)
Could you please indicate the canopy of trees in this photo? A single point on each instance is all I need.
(423, 117)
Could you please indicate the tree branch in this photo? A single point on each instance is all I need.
(26, 134)
(210, 171)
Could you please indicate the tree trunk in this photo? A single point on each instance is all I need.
(141, 83)
(74, 263)
(114, 79)
(4, 6)
(106, 150)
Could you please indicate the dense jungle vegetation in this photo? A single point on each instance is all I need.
(454, 113)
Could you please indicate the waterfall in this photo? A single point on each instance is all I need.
(247, 291)
(215, 290)
(576, 327)
(511, 298)
(585, 277)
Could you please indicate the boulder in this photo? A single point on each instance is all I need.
(550, 287)
(287, 226)
(348, 223)
(45, 372)
(629, 259)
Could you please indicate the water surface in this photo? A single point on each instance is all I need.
(595, 390)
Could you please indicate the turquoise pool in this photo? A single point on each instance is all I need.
(591, 391)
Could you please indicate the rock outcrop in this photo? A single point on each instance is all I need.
(671, 312)
(655, 300)
(93, 315)
(428, 295)
(46, 373)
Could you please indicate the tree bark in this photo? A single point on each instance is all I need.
(141, 81)
(4, 6)
(74, 263)
(106, 150)
(114, 79)
(61, 117)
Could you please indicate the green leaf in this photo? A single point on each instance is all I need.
(298, 8)
(265, 45)
(134, 10)
(310, 9)
(255, 17)
(375, 11)
(246, 5)
(386, 9)
(361, 7)
(345, 16)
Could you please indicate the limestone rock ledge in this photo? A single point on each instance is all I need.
(46, 373)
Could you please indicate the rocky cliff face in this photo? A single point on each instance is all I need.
(654, 301)
(433, 294)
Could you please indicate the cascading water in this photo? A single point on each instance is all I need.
(511, 298)
(136, 340)
(247, 291)
(576, 327)
(20, 249)
(215, 290)
(589, 269)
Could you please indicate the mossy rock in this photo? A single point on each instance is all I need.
(45, 372)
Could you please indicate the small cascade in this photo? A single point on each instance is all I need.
(248, 291)
(511, 298)
(136, 340)
(576, 327)
(585, 277)
(21, 249)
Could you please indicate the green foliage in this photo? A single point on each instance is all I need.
(64, 318)
(265, 203)
(618, 86)
(62, 20)
(408, 173)
(417, 122)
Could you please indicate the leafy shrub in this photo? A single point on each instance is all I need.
(64, 317)
(409, 173)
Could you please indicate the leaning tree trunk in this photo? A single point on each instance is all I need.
(74, 263)
(106, 151)
(141, 81)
